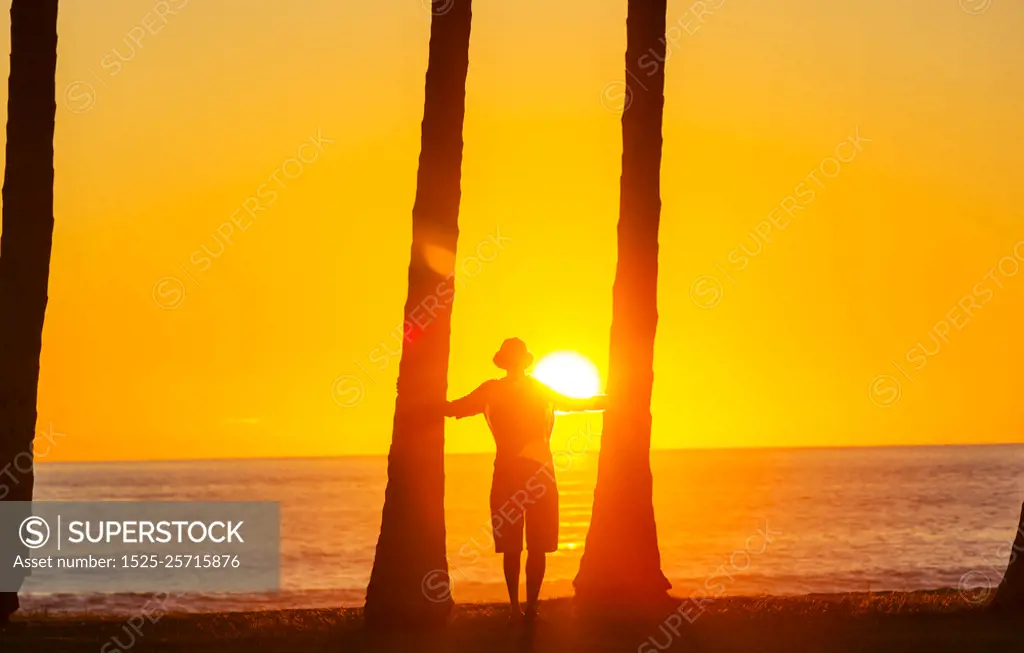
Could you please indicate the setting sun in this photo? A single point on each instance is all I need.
(569, 373)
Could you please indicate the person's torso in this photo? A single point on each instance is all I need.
(520, 417)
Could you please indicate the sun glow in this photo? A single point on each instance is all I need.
(569, 373)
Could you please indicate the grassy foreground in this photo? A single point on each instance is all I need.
(931, 622)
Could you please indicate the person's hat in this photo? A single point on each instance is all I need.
(513, 355)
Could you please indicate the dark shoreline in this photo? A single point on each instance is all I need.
(932, 621)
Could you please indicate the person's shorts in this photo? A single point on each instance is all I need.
(524, 497)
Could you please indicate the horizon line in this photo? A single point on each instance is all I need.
(486, 453)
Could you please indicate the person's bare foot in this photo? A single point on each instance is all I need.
(531, 617)
(515, 616)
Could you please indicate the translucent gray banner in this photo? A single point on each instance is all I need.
(139, 547)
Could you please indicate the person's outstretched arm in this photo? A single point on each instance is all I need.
(564, 404)
(573, 405)
(472, 404)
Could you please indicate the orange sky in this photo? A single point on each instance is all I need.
(158, 148)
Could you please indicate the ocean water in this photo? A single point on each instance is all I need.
(744, 522)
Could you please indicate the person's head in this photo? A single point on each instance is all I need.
(513, 357)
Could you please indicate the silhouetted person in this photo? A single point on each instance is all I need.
(520, 412)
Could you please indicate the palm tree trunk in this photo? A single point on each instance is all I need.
(621, 564)
(26, 239)
(409, 585)
(1010, 595)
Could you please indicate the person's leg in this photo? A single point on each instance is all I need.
(507, 527)
(536, 563)
(541, 536)
(511, 564)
